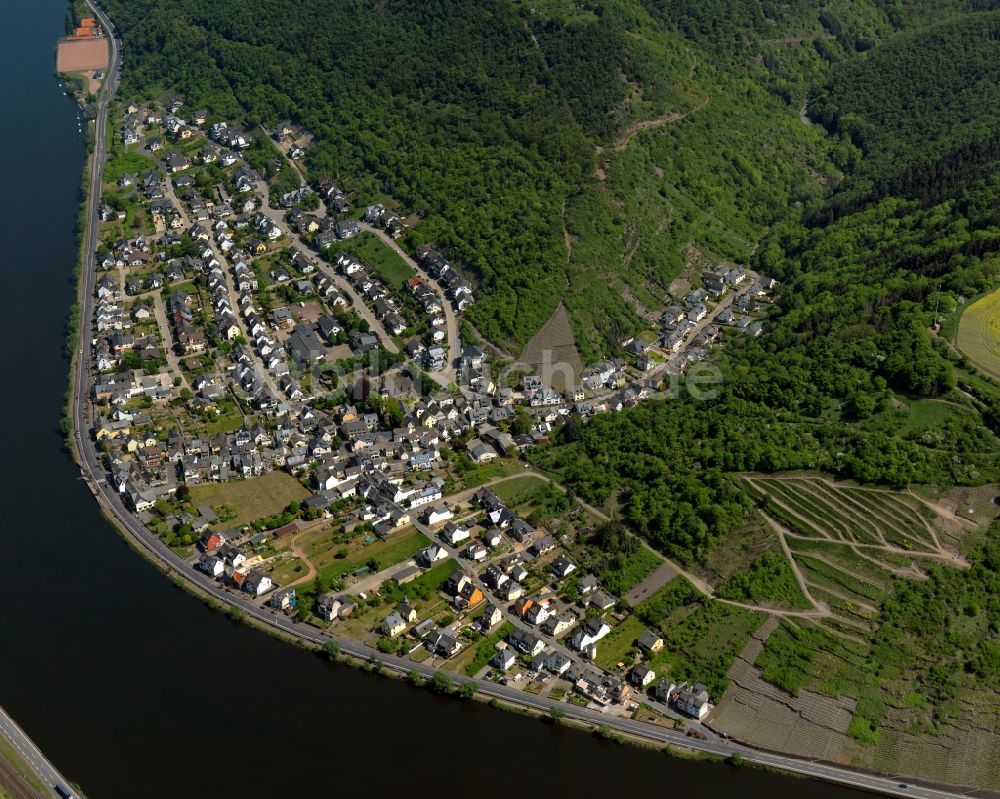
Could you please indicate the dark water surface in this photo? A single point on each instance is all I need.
(134, 688)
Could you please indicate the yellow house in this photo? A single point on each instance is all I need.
(111, 430)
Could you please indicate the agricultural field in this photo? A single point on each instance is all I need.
(753, 709)
(252, 499)
(897, 583)
(552, 352)
(979, 333)
(846, 544)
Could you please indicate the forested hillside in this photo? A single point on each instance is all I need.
(850, 346)
(515, 129)
(924, 109)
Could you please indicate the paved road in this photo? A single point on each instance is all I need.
(173, 563)
(448, 374)
(227, 275)
(169, 353)
(30, 753)
(357, 301)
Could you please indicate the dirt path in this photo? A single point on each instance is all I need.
(311, 573)
(852, 600)
(888, 549)
(861, 578)
(941, 511)
(820, 533)
(647, 124)
(635, 128)
(566, 237)
(823, 493)
(780, 530)
(699, 584)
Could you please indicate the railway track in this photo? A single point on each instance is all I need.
(15, 782)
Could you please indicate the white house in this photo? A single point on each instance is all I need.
(328, 606)
(642, 676)
(593, 630)
(435, 516)
(257, 584)
(504, 658)
(491, 617)
(693, 700)
(211, 565)
(454, 534)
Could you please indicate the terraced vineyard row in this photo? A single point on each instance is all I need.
(815, 507)
(846, 543)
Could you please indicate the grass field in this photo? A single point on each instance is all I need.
(252, 499)
(518, 489)
(614, 647)
(979, 333)
(924, 414)
(390, 267)
(289, 571)
(473, 476)
(397, 548)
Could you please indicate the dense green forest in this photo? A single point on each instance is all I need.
(924, 109)
(505, 125)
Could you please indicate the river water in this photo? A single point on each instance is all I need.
(131, 686)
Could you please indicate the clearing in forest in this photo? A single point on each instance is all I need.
(552, 352)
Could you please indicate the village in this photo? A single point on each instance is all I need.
(282, 393)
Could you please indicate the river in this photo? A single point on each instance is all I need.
(132, 686)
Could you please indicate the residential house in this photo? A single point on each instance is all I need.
(642, 676)
(693, 700)
(563, 566)
(257, 583)
(650, 642)
(590, 632)
(492, 616)
(328, 606)
(505, 657)
(393, 624)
